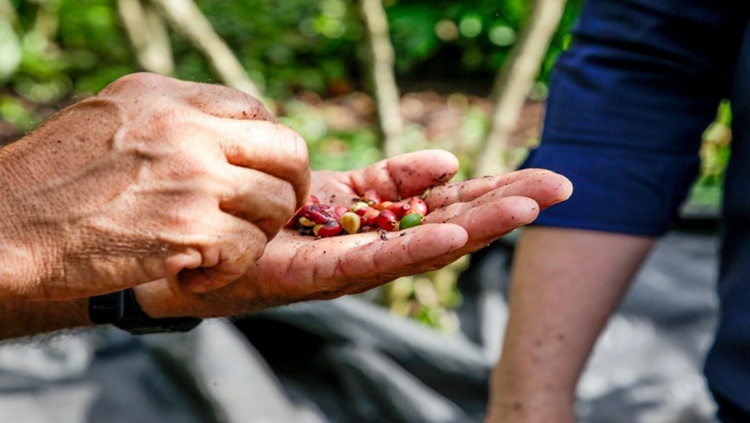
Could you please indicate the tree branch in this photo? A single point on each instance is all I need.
(186, 18)
(513, 83)
(148, 35)
(379, 64)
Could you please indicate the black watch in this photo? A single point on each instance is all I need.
(122, 310)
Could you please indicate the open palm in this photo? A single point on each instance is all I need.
(464, 217)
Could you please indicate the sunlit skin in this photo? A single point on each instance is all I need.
(465, 216)
(181, 190)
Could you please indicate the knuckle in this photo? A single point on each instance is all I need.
(169, 119)
(190, 216)
(172, 125)
(181, 219)
(255, 108)
(139, 81)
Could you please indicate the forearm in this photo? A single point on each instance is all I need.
(565, 285)
(20, 318)
(17, 261)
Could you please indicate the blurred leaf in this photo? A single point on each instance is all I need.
(10, 50)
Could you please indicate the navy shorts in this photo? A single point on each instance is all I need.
(628, 103)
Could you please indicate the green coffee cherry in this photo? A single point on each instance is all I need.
(410, 220)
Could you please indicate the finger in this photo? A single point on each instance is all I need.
(320, 269)
(231, 247)
(267, 147)
(545, 187)
(407, 174)
(329, 268)
(263, 200)
(486, 219)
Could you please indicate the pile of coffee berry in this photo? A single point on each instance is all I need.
(367, 213)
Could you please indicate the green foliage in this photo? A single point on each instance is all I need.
(287, 46)
(463, 39)
(707, 190)
(59, 49)
(331, 148)
(79, 46)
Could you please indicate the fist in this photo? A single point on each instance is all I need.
(151, 178)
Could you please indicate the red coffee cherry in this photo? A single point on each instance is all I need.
(370, 216)
(319, 213)
(387, 220)
(400, 208)
(330, 228)
(417, 205)
(367, 213)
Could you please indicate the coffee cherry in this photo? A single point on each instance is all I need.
(339, 211)
(384, 205)
(410, 220)
(387, 220)
(370, 216)
(367, 213)
(351, 222)
(400, 208)
(318, 213)
(330, 228)
(303, 221)
(360, 207)
(417, 205)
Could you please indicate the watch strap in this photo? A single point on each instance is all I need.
(121, 309)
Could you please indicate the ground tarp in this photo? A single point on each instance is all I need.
(350, 361)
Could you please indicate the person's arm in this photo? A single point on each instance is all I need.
(565, 285)
(20, 318)
(464, 217)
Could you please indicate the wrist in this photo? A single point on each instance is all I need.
(17, 269)
(20, 267)
(122, 310)
(158, 301)
(21, 318)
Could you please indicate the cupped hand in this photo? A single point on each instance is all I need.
(464, 217)
(151, 178)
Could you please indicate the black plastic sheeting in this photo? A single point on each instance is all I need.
(350, 361)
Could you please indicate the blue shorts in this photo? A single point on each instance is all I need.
(628, 103)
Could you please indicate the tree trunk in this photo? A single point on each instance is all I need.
(513, 83)
(186, 18)
(148, 35)
(379, 64)
(47, 20)
(8, 12)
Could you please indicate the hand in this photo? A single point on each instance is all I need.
(151, 178)
(465, 216)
